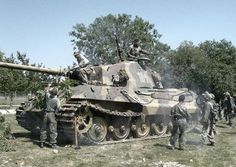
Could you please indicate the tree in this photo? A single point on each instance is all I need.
(209, 66)
(222, 66)
(97, 40)
(12, 81)
(188, 67)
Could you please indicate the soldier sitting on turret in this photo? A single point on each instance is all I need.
(84, 69)
(81, 59)
(135, 50)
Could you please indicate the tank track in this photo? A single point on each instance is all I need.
(30, 121)
(68, 111)
(66, 116)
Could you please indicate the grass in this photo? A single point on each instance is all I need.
(142, 153)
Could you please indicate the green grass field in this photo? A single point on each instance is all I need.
(148, 153)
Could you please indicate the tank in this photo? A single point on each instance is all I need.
(119, 101)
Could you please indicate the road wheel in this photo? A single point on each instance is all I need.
(121, 128)
(142, 128)
(98, 130)
(83, 120)
(159, 128)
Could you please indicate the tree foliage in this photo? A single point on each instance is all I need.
(12, 81)
(221, 67)
(209, 66)
(188, 67)
(97, 40)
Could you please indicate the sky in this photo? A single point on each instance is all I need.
(40, 28)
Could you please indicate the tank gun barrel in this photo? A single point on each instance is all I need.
(32, 68)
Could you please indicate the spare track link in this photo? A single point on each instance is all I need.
(72, 108)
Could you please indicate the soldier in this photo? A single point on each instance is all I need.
(220, 113)
(81, 60)
(228, 107)
(83, 65)
(135, 50)
(52, 106)
(207, 120)
(216, 111)
(5, 129)
(179, 118)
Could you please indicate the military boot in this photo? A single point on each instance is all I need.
(181, 148)
(55, 146)
(41, 145)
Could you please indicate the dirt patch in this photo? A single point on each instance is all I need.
(151, 153)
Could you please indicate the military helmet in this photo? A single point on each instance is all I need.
(53, 91)
(2, 118)
(207, 96)
(227, 94)
(76, 54)
(136, 42)
(212, 96)
(181, 98)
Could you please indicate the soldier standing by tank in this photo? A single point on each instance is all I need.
(135, 50)
(228, 107)
(5, 129)
(179, 118)
(207, 120)
(49, 120)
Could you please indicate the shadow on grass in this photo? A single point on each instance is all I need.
(222, 126)
(162, 145)
(33, 138)
(194, 143)
(24, 135)
(62, 141)
(230, 133)
(195, 130)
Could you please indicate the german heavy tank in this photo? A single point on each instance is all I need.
(119, 101)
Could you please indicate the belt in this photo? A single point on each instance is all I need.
(49, 111)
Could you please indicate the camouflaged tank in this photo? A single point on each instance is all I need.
(119, 101)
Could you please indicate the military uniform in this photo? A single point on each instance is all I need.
(220, 112)
(135, 50)
(208, 119)
(81, 60)
(228, 107)
(5, 129)
(179, 117)
(84, 68)
(49, 120)
(215, 107)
